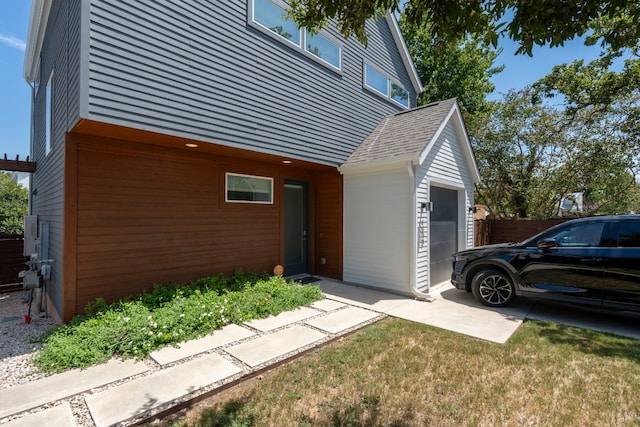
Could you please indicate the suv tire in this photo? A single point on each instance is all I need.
(493, 288)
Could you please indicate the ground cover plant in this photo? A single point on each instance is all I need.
(167, 315)
(399, 373)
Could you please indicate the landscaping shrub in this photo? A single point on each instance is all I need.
(168, 315)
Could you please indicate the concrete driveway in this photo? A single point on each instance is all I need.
(459, 312)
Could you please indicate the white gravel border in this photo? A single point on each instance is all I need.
(18, 339)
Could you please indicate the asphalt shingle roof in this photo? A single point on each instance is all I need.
(402, 134)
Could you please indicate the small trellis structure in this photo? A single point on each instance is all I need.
(17, 165)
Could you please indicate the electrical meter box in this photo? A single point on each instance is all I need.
(31, 280)
(30, 235)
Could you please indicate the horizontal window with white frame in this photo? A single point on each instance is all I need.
(272, 16)
(381, 84)
(241, 188)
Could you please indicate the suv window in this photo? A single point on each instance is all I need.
(579, 235)
(629, 234)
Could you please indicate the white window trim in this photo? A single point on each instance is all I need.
(305, 33)
(226, 189)
(302, 47)
(282, 5)
(392, 82)
(388, 95)
(48, 139)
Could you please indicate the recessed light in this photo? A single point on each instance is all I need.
(286, 162)
(191, 145)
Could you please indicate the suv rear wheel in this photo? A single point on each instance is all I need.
(493, 288)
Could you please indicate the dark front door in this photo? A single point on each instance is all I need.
(443, 235)
(296, 228)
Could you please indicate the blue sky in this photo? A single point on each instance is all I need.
(15, 93)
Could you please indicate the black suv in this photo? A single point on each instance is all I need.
(593, 261)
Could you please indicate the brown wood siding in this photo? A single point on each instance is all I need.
(329, 225)
(152, 214)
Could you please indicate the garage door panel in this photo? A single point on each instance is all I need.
(443, 237)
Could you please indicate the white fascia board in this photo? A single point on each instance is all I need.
(37, 27)
(374, 167)
(404, 52)
(466, 143)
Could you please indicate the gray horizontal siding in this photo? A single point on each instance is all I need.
(196, 69)
(60, 53)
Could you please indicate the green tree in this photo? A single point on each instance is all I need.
(529, 23)
(451, 69)
(515, 146)
(14, 201)
(530, 156)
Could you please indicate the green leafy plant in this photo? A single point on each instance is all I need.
(14, 202)
(168, 315)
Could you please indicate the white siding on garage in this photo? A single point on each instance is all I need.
(377, 230)
(445, 167)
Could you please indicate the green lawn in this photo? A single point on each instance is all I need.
(399, 373)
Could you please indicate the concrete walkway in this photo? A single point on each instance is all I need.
(119, 393)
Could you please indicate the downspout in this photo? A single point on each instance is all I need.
(413, 250)
(32, 85)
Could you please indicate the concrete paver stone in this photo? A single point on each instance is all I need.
(343, 319)
(268, 347)
(286, 318)
(327, 305)
(136, 397)
(58, 416)
(60, 386)
(219, 338)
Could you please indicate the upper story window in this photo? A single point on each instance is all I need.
(383, 85)
(48, 102)
(323, 48)
(275, 19)
(272, 15)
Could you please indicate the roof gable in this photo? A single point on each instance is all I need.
(409, 136)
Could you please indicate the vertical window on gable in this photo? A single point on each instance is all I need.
(48, 102)
(376, 81)
(323, 48)
(382, 85)
(275, 19)
(399, 94)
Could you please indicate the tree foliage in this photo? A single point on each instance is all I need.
(531, 155)
(529, 23)
(451, 69)
(14, 202)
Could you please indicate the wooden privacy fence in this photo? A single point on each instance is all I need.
(491, 231)
(11, 261)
